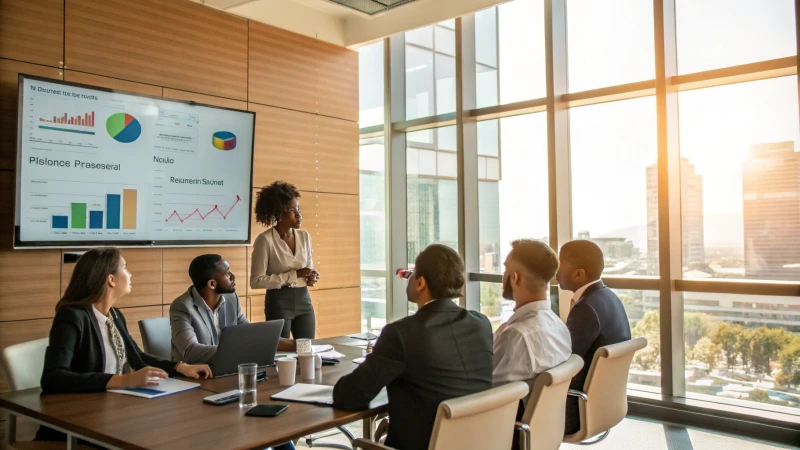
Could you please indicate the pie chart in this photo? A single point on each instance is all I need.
(123, 127)
(224, 140)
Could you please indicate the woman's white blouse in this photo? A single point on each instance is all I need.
(273, 265)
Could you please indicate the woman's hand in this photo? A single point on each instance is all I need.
(304, 272)
(312, 278)
(149, 376)
(194, 370)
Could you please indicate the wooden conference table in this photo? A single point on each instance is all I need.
(183, 420)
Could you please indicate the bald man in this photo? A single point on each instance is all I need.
(597, 317)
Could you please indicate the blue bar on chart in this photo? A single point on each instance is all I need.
(96, 219)
(113, 216)
(60, 221)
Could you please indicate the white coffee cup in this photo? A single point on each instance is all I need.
(306, 367)
(287, 368)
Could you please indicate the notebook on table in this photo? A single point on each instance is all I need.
(166, 386)
(307, 393)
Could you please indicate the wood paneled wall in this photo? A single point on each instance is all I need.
(304, 93)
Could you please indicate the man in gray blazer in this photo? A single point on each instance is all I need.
(198, 316)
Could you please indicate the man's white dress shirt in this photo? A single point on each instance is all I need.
(533, 340)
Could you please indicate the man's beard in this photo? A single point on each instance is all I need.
(508, 293)
(229, 290)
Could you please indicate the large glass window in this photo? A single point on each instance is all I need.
(372, 206)
(610, 43)
(370, 85)
(743, 349)
(512, 185)
(430, 70)
(432, 189)
(642, 310)
(614, 176)
(509, 51)
(738, 175)
(493, 305)
(373, 303)
(719, 33)
(741, 173)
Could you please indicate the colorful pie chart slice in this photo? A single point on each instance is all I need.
(123, 128)
(224, 140)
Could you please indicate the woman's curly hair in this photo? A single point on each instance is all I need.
(273, 200)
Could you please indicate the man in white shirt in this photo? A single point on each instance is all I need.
(534, 339)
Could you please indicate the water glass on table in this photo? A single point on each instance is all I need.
(247, 385)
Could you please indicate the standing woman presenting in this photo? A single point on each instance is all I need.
(282, 261)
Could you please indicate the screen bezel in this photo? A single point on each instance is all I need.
(22, 245)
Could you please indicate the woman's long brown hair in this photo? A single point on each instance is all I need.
(90, 279)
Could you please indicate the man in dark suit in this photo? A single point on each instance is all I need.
(439, 353)
(596, 318)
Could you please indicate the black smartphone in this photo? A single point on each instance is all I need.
(261, 376)
(266, 410)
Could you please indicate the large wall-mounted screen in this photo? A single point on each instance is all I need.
(102, 167)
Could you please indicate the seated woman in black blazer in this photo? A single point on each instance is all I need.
(90, 348)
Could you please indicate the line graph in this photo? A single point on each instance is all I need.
(204, 216)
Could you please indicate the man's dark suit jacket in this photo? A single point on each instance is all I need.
(75, 359)
(439, 353)
(597, 319)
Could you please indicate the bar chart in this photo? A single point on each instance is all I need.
(62, 123)
(86, 120)
(119, 210)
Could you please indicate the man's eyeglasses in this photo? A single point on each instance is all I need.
(404, 274)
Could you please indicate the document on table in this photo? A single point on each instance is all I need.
(363, 336)
(331, 355)
(324, 352)
(307, 393)
(166, 386)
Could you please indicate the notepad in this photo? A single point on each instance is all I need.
(363, 336)
(321, 348)
(166, 386)
(307, 393)
(331, 355)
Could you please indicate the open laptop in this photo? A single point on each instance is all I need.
(246, 343)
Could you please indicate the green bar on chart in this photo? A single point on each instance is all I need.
(78, 215)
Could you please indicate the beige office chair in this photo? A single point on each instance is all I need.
(542, 425)
(484, 420)
(604, 401)
(23, 364)
(156, 337)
